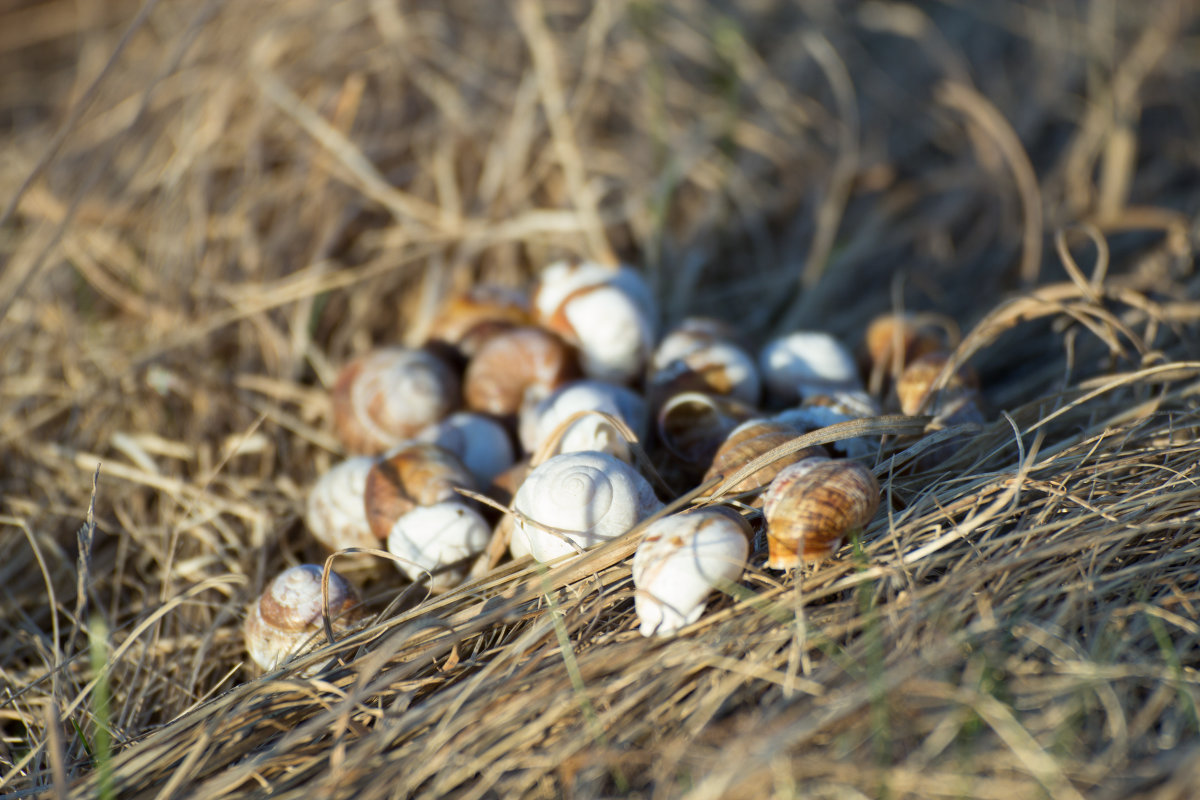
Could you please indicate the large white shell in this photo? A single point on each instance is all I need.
(806, 363)
(592, 432)
(289, 613)
(608, 314)
(479, 441)
(680, 561)
(335, 513)
(432, 536)
(588, 496)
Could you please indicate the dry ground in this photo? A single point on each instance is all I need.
(205, 207)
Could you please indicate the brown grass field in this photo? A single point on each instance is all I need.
(207, 207)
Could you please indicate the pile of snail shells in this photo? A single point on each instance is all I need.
(532, 398)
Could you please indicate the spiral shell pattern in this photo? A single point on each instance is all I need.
(587, 496)
(813, 505)
(289, 612)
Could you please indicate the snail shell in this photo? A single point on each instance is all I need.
(416, 474)
(895, 339)
(692, 425)
(915, 387)
(466, 320)
(386, 396)
(806, 363)
(680, 561)
(750, 440)
(541, 420)
(813, 505)
(515, 362)
(693, 358)
(608, 314)
(288, 613)
(434, 536)
(588, 497)
(335, 513)
(479, 441)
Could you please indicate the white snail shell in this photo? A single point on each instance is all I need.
(335, 513)
(813, 505)
(588, 496)
(608, 314)
(289, 612)
(693, 358)
(805, 363)
(680, 561)
(481, 442)
(433, 536)
(540, 420)
(388, 395)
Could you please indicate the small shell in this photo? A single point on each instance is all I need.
(416, 474)
(467, 319)
(540, 420)
(821, 411)
(680, 561)
(335, 513)
(608, 314)
(482, 443)
(513, 363)
(289, 612)
(692, 425)
(386, 396)
(747, 442)
(589, 497)
(691, 358)
(806, 363)
(914, 388)
(434, 536)
(812, 506)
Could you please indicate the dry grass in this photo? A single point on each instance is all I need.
(208, 206)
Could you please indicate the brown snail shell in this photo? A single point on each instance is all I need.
(416, 474)
(289, 613)
(750, 440)
(514, 362)
(896, 339)
(915, 386)
(813, 505)
(387, 395)
(467, 319)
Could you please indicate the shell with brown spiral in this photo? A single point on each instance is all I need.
(289, 612)
(813, 505)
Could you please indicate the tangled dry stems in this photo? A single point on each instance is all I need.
(210, 207)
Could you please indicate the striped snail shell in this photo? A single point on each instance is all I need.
(513, 363)
(747, 442)
(386, 396)
(479, 441)
(805, 363)
(682, 558)
(335, 513)
(813, 505)
(607, 313)
(586, 497)
(415, 474)
(288, 614)
(540, 420)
